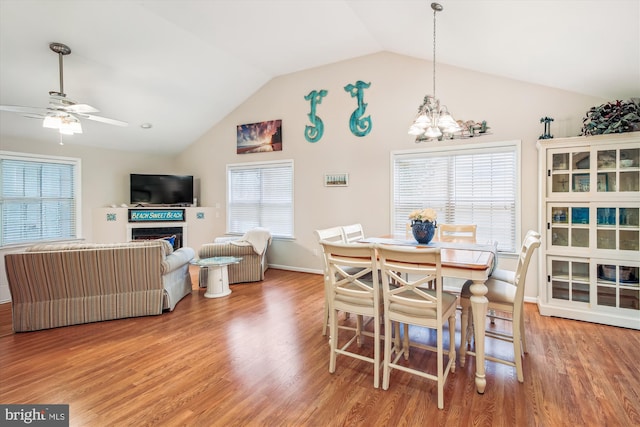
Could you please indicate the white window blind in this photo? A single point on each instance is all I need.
(39, 198)
(465, 185)
(260, 195)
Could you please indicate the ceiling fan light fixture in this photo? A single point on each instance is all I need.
(72, 126)
(66, 125)
(51, 122)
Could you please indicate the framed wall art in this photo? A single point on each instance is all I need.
(336, 180)
(259, 137)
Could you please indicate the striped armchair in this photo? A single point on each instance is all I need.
(252, 248)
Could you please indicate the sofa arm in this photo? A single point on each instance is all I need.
(210, 250)
(177, 259)
(226, 239)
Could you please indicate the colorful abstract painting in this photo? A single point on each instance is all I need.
(259, 137)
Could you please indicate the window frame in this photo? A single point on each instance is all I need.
(261, 166)
(454, 150)
(76, 163)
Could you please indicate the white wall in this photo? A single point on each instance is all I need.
(513, 110)
(398, 84)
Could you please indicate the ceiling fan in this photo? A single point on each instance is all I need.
(62, 113)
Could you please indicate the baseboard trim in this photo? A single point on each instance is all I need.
(298, 269)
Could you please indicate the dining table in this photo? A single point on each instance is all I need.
(469, 261)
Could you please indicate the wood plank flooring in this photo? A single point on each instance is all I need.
(257, 358)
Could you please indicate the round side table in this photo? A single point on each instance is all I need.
(217, 274)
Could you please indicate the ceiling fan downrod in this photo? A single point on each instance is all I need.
(61, 49)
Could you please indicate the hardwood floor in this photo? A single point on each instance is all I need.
(258, 358)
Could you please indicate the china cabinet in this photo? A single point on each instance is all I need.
(589, 198)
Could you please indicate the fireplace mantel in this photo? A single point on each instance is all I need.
(112, 225)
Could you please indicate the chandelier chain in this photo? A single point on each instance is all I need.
(434, 53)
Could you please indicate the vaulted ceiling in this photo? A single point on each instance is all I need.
(183, 65)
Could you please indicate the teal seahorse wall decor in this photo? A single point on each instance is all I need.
(313, 133)
(360, 126)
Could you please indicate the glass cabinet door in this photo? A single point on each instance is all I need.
(617, 228)
(618, 285)
(569, 280)
(569, 172)
(618, 170)
(569, 226)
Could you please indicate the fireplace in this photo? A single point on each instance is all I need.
(152, 233)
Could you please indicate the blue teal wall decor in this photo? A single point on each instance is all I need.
(314, 132)
(111, 217)
(360, 126)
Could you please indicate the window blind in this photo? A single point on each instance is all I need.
(38, 199)
(464, 185)
(260, 195)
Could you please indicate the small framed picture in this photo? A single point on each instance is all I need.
(336, 180)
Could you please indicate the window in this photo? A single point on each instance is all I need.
(471, 184)
(260, 195)
(39, 198)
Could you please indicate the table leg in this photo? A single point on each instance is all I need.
(217, 282)
(479, 311)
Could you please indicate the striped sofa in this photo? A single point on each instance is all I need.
(56, 285)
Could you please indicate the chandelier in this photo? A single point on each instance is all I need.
(433, 120)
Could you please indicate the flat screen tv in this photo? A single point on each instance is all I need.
(161, 189)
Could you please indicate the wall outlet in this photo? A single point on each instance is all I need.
(316, 252)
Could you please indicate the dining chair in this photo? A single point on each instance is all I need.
(457, 232)
(504, 296)
(412, 294)
(507, 276)
(333, 234)
(352, 233)
(349, 291)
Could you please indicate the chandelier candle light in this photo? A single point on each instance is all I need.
(435, 121)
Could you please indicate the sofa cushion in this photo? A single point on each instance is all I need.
(170, 239)
(167, 249)
(167, 246)
(177, 259)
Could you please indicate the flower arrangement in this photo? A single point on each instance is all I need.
(423, 215)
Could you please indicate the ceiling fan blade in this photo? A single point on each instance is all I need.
(60, 102)
(23, 110)
(103, 120)
(81, 108)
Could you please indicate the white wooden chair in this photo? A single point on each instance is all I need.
(350, 292)
(416, 299)
(352, 233)
(457, 232)
(333, 234)
(507, 297)
(463, 233)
